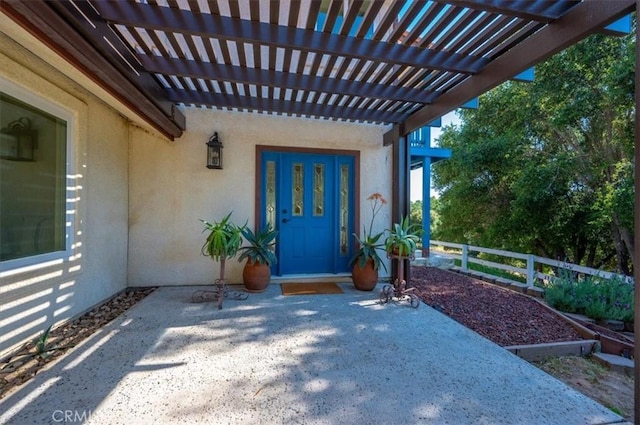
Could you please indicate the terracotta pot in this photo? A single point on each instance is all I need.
(365, 279)
(256, 276)
(396, 251)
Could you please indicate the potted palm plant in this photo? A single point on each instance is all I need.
(260, 256)
(222, 242)
(366, 261)
(403, 238)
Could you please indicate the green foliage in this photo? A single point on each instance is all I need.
(595, 297)
(368, 250)
(42, 349)
(261, 243)
(224, 239)
(547, 167)
(415, 216)
(403, 237)
(492, 271)
(369, 243)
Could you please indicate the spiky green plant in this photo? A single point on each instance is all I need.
(224, 239)
(403, 238)
(261, 243)
(42, 348)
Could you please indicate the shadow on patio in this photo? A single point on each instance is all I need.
(335, 359)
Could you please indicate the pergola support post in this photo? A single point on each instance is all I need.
(400, 205)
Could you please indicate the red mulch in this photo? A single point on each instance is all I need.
(501, 315)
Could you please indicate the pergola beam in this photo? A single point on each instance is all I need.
(539, 10)
(283, 80)
(50, 28)
(320, 110)
(585, 19)
(174, 20)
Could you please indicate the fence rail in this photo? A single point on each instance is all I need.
(466, 254)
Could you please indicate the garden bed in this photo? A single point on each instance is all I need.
(505, 317)
(510, 318)
(23, 364)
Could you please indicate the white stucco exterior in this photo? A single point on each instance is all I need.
(138, 196)
(32, 298)
(171, 188)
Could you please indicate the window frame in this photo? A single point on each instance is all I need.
(18, 265)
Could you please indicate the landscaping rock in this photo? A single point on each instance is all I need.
(16, 370)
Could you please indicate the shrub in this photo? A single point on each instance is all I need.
(561, 295)
(593, 296)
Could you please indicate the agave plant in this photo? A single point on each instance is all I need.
(369, 243)
(224, 239)
(403, 238)
(42, 348)
(368, 250)
(260, 249)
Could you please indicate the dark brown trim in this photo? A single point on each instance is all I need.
(401, 194)
(257, 192)
(113, 49)
(260, 149)
(585, 19)
(272, 78)
(38, 18)
(223, 100)
(228, 28)
(539, 10)
(296, 149)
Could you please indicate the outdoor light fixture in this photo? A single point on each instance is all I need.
(214, 152)
(18, 141)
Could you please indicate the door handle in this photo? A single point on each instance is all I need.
(285, 220)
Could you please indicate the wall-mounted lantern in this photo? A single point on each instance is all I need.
(18, 141)
(214, 152)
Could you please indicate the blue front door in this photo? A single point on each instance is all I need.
(308, 198)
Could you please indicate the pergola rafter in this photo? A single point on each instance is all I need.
(393, 62)
(245, 75)
(529, 10)
(170, 20)
(588, 17)
(282, 106)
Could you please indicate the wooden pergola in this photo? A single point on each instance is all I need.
(402, 63)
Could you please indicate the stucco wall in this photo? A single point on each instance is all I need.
(33, 298)
(170, 187)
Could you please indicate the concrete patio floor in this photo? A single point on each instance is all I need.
(273, 359)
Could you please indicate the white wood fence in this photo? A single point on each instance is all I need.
(468, 254)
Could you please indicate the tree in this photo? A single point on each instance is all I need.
(547, 167)
(415, 215)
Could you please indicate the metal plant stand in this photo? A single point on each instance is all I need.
(399, 291)
(220, 292)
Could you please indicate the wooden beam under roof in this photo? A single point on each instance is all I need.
(245, 31)
(530, 10)
(319, 110)
(284, 80)
(587, 18)
(114, 50)
(49, 27)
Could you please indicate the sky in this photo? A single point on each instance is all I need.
(416, 175)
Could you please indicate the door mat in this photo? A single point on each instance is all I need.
(294, 288)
